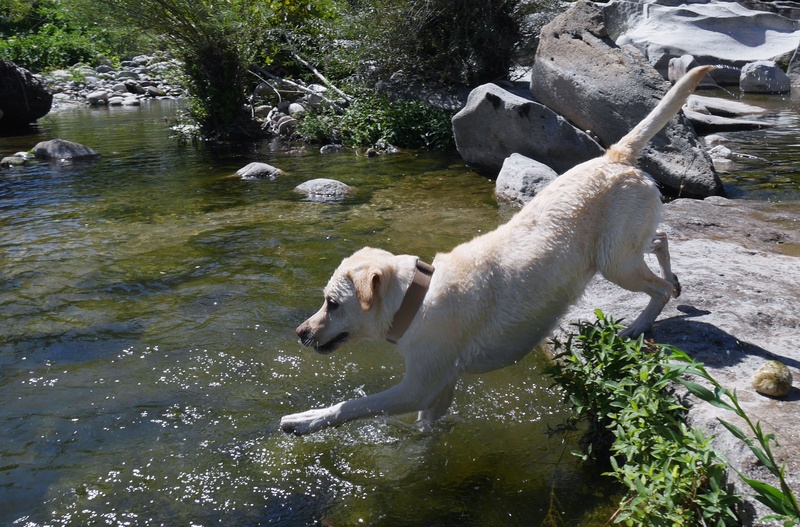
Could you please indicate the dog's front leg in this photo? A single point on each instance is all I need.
(402, 398)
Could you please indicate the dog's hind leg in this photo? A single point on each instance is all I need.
(635, 275)
(439, 407)
(660, 248)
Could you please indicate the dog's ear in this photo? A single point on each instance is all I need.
(367, 283)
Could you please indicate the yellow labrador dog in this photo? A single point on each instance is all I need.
(490, 301)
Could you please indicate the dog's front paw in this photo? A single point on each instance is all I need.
(305, 422)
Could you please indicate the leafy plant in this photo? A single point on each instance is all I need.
(781, 501)
(375, 118)
(621, 389)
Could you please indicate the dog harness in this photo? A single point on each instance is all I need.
(413, 298)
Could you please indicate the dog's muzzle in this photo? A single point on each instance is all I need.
(308, 339)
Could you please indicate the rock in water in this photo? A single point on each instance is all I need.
(61, 149)
(258, 170)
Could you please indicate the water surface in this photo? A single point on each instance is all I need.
(148, 302)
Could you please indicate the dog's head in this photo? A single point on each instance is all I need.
(359, 302)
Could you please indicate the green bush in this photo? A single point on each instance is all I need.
(50, 47)
(445, 42)
(375, 118)
(621, 389)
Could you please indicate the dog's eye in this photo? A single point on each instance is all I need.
(331, 304)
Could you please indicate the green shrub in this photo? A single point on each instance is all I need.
(372, 119)
(50, 47)
(621, 389)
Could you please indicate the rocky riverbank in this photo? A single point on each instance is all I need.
(144, 76)
(739, 266)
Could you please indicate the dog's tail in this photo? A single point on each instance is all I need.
(627, 149)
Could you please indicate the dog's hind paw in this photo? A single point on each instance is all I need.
(676, 286)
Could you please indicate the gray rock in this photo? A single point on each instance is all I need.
(296, 110)
(12, 161)
(323, 189)
(155, 91)
(678, 67)
(706, 123)
(97, 97)
(258, 170)
(521, 178)
(738, 307)
(331, 149)
(580, 73)
(127, 74)
(764, 76)
(495, 124)
(23, 97)
(712, 32)
(724, 107)
(61, 149)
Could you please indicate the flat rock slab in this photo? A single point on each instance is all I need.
(739, 265)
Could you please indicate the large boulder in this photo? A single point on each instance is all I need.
(580, 73)
(496, 123)
(23, 97)
(60, 149)
(713, 32)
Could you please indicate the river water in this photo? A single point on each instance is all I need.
(147, 352)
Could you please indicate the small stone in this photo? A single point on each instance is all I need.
(773, 379)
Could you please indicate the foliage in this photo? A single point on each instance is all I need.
(375, 118)
(446, 42)
(781, 501)
(621, 388)
(218, 42)
(44, 34)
